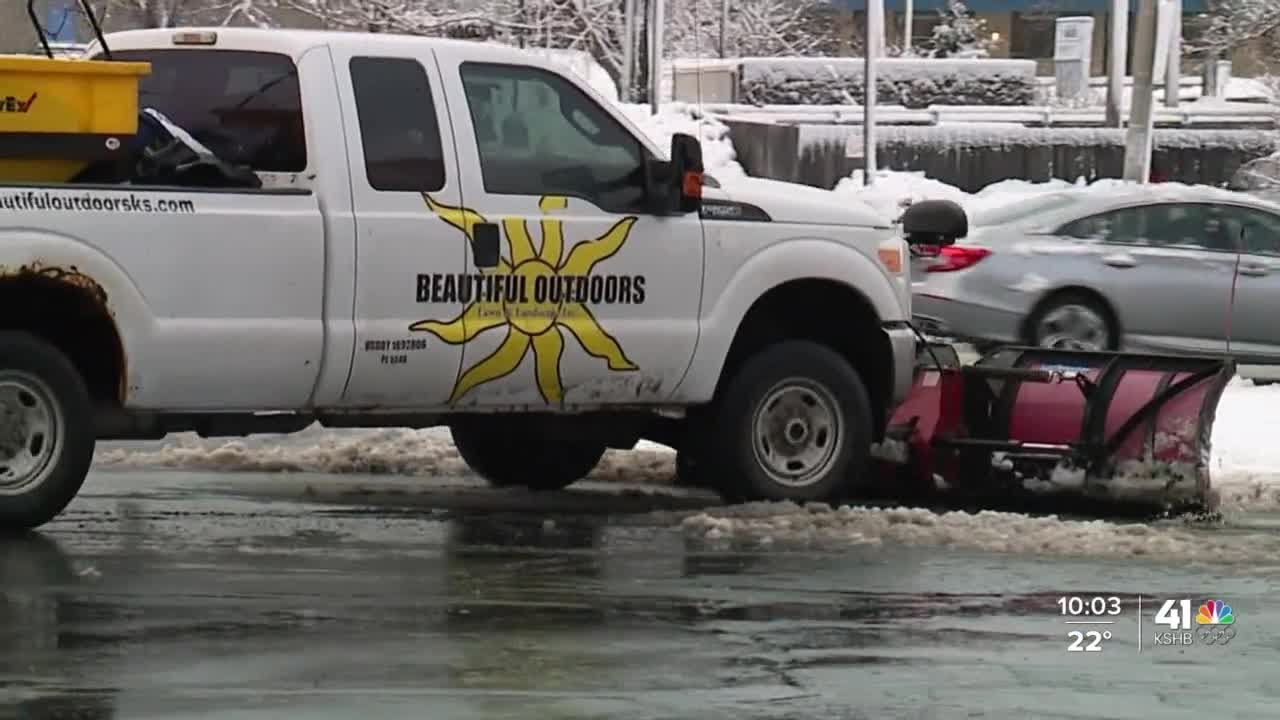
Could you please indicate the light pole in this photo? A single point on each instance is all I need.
(1137, 150)
(875, 37)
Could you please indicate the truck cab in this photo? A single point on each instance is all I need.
(450, 233)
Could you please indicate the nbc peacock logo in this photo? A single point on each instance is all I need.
(1215, 612)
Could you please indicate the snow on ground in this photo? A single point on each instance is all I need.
(1245, 463)
(395, 451)
(1245, 466)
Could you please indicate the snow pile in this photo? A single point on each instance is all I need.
(817, 526)
(718, 156)
(399, 451)
(910, 82)
(895, 190)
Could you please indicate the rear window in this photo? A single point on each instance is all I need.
(244, 106)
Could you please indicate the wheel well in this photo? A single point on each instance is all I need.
(826, 312)
(68, 310)
(1078, 290)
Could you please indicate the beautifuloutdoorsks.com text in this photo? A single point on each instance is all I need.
(88, 202)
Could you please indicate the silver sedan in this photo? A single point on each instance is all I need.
(1141, 268)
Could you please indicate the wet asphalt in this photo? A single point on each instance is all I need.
(229, 595)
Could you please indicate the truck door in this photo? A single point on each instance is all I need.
(409, 257)
(586, 298)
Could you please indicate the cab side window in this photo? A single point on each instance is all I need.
(399, 129)
(1258, 231)
(538, 134)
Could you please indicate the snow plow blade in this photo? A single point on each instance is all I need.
(1129, 430)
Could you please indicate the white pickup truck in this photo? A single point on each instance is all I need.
(447, 233)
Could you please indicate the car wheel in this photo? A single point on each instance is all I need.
(1073, 321)
(1261, 382)
(47, 432)
(524, 451)
(793, 423)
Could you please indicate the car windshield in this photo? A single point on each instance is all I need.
(1017, 210)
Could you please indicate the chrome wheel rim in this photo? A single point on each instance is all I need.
(796, 432)
(1073, 327)
(31, 429)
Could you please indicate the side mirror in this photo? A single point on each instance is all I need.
(934, 222)
(686, 161)
(675, 186)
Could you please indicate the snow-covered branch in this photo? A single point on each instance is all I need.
(959, 34)
(755, 28)
(175, 13)
(1234, 23)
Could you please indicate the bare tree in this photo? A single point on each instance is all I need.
(1235, 23)
(444, 18)
(756, 28)
(175, 13)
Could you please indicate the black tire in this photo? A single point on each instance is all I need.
(1262, 382)
(523, 451)
(33, 373)
(1111, 340)
(807, 371)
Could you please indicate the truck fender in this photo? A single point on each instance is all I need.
(770, 267)
(66, 259)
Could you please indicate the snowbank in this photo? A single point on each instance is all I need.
(400, 451)
(894, 190)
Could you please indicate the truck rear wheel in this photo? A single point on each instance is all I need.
(47, 431)
(793, 424)
(524, 451)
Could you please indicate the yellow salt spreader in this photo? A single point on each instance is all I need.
(59, 115)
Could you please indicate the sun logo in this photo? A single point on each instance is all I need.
(539, 297)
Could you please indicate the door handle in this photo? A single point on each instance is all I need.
(1120, 260)
(485, 250)
(1253, 270)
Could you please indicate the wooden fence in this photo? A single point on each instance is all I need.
(972, 157)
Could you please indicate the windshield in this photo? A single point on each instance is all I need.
(1020, 209)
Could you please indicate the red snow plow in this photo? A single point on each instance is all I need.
(1023, 423)
(1131, 430)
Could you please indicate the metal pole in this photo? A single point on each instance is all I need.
(656, 21)
(1137, 150)
(724, 27)
(1173, 63)
(628, 48)
(524, 22)
(908, 25)
(1117, 65)
(875, 38)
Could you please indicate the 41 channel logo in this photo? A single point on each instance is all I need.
(1214, 623)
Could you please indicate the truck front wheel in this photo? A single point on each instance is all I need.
(47, 431)
(794, 423)
(525, 451)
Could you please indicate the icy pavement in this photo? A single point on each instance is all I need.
(223, 595)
